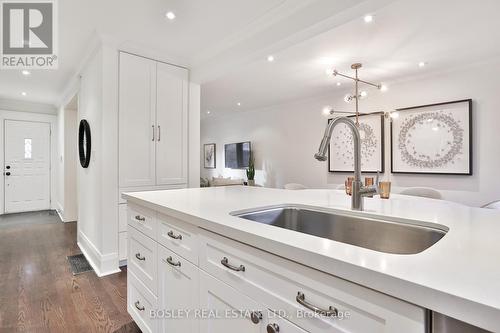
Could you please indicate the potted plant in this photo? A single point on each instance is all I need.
(251, 170)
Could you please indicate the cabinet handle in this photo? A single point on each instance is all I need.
(159, 132)
(138, 256)
(301, 299)
(172, 235)
(273, 328)
(171, 262)
(140, 218)
(225, 262)
(138, 307)
(153, 127)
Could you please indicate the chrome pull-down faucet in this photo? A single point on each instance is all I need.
(358, 190)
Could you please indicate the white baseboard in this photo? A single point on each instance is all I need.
(102, 264)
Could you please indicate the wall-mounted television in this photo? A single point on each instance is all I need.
(237, 155)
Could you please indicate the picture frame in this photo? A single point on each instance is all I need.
(209, 156)
(433, 139)
(341, 148)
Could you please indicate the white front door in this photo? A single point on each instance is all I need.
(27, 166)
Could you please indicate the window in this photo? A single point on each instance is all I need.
(27, 148)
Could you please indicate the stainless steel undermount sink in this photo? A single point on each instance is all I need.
(379, 235)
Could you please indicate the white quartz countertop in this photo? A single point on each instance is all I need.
(459, 276)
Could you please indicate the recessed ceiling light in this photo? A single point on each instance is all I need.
(363, 94)
(383, 88)
(170, 15)
(329, 71)
(270, 58)
(368, 18)
(24, 93)
(208, 112)
(26, 72)
(339, 84)
(239, 104)
(422, 64)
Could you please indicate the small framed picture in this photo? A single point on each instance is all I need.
(341, 149)
(209, 156)
(433, 139)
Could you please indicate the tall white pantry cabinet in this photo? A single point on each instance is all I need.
(153, 111)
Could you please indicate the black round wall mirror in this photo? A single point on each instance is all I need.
(84, 143)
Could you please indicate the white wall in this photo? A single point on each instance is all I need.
(32, 116)
(194, 135)
(89, 179)
(67, 135)
(286, 137)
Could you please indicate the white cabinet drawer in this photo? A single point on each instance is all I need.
(140, 302)
(178, 283)
(122, 217)
(142, 219)
(179, 237)
(276, 283)
(142, 256)
(223, 301)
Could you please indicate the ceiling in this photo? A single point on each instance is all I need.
(201, 30)
(444, 34)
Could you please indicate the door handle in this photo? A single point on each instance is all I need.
(7, 173)
(7, 167)
(139, 257)
(159, 132)
(153, 127)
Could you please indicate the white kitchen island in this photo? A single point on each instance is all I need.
(186, 251)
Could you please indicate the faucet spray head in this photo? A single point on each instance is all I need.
(320, 157)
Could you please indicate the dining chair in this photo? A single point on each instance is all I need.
(492, 205)
(295, 186)
(424, 192)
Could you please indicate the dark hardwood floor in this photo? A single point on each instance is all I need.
(38, 293)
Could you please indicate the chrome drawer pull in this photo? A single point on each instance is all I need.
(226, 263)
(138, 307)
(138, 256)
(171, 262)
(171, 235)
(140, 218)
(301, 299)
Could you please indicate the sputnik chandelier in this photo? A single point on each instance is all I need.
(358, 95)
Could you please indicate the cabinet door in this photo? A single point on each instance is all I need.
(171, 116)
(222, 305)
(137, 103)
(178, 289)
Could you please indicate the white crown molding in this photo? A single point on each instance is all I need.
(25, 106)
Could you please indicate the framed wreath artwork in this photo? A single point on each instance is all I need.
(433, 139)
(341, 149)
(209, 154)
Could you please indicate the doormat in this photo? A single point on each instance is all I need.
(79, 264)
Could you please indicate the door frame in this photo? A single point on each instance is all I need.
(30, 117)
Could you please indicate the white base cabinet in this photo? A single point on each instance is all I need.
(198, 281)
